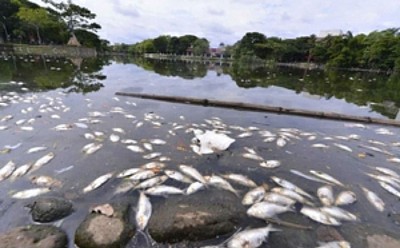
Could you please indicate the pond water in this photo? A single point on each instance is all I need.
(40, 93)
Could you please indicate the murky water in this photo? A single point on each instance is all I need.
(72, 90)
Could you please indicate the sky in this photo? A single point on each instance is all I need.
(227, 21)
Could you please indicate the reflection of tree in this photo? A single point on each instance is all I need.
(359, 88)
(183, 69)
(50, 73)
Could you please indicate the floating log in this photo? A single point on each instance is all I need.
(263, 108)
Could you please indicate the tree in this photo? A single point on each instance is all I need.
(201, 47)
(250, 45)
(161, 44)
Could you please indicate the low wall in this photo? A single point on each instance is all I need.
(63, 51)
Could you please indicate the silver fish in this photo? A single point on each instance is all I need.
(153, 165)
(164, 190)
(338, 213)
(253, 156)
(29, 193)
(125, 186)
(325, 195)
(320, 146)
(98, 182)
(21, 170)
(251, 238)
(326, 177)
(7, 170)
(318, 216)
(92, 148)
(157, 142)
(345, 198)
(374, 199)
(143, 212)
(176, 175)
(270, 164)
(309, 177)
(135, 148)
(152, 155)
(279, 199)
(144, 174)
(221, 183)
(194, 187)
(240, 179)
(151, 182)
(118, 130)
(291, 194)
(281, 142)
(128, 172)
(343, 147)
(81, 125)
(387, 172)
(45, 181)
(254, 195)
(390, 189)
(36, 149)
(128, 141)
(114, 138)
(265, 210)
(288, 185)
(42, 161)
(192, 172)
(335, 244)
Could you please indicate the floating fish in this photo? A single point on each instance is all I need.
(374, 199)
(291, 194)
(91, 148)
(29, 193)
(89, 136)
(148, 146)
(21, 170)
(388, 172)
(128, 141)
(343, 147)
(125, 186)
(245, 135)
(265, 210)
(192, 172)
(45, 181)
(240, 179)
(157, 142)
(251, 238)
(7, 170)
(281, 142)
(42, 161)
(318, 145)
(98, 182)
(345, 198)
(143, 212)
(270, 164)
(309, 177)
(253, 156)
(338, 213)
(318, 216)
(194, 187)
(176, 175)
(152, 155)
(63, 127)
(81, 125)
(325, 195)
(288, 185)
(326, 177)
(335, 244)
(153, 165)
(128, 172)
(254, 195)
(390, 189)
(26, 128)
(36, 149)
(164, 190)
(221, 183)
(211, 141)
(279, 199)
(151, 182)
(114, 138)
(135, 148)
(141, 175)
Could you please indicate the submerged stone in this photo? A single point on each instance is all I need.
(50, 209)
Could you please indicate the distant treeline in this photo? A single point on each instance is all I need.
(377, 50)
(22, 21)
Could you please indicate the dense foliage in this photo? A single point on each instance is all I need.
(22, 21)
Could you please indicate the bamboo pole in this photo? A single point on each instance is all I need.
(263, 108)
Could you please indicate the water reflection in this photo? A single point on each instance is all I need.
(47, 73)
(379, 92)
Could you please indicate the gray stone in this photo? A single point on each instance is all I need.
(100, 231)
(328, 234)
(50, 209)
(196, 217)
(378, 241)
(34, 236)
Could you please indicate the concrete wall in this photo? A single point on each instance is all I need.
(63, 51)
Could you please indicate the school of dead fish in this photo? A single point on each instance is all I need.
(263, 201)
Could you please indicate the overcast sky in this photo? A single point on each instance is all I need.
(131, 21)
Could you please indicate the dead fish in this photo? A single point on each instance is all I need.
(176, 175)
(153, 166)
(240, 179)
(81, 125)
(386, 179)
(26, 128)
(387, 171)
(326, 177)
(45, 181)
(128, 141)
(141, 175)
(13, 147)
(281, 142)
(264, 210)
(143, 212)
(288, 185)
(20, 122)
(374, 199)
(279, 199)
(393, 160)
(251, 238)
(291, 194)
(221, 183)
(148, 146)
(135, 148)
(152, 155)
(7, 170)
(244, 135)
(91, 148)
(6, 118)
(124, 187)
(338, 213)
(55, 116)
(89, 136)
(376, 149)
(318, 216)
(345, 198)
(194, 187)
(164, 190)
(270, 164)
(128, 172)
(318, 145)
(105, 209)
(42, 161)
(252, 156)
(325, 195)
(390, 189)
(2, 128)
(29, 193)
(36, 149)
(269, 139)
(114, 138)
(21, 170)
(151, 182)
(98, 182)
(343, 147)
(255, 195)
(63, 127)
(157, 142)
(335, 244)
(119, 130)
(309, 177)
(192, 172)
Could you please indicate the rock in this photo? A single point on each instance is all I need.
(50, 209)
(328, 234)
(377, 241)
(196, 217)
(34, 236)
(101, 231)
